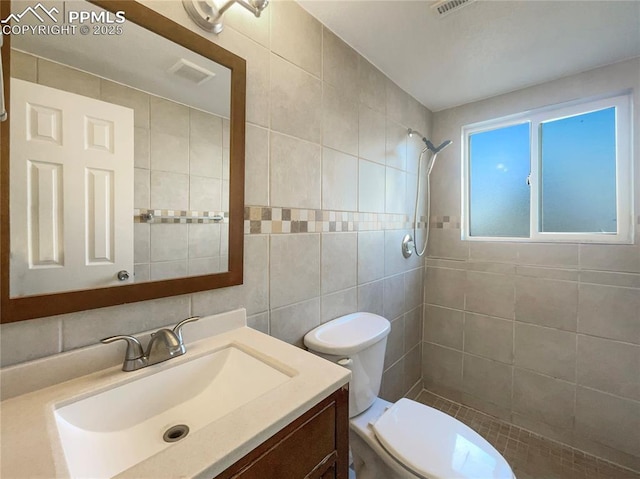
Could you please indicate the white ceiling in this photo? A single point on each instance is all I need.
(487, 47)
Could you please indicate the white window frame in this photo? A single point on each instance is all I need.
(535, 118)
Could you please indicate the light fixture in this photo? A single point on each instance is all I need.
(209, 17)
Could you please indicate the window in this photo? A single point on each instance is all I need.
(554, 174)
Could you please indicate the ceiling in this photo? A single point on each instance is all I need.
(485, 48)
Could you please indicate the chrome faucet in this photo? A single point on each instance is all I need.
(164, 344)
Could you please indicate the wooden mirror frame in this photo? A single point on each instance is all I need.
(28, 307)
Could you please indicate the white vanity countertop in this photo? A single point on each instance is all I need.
(30, 445)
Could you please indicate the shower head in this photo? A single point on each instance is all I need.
(411, 132)
(438, 149)
(430, 146)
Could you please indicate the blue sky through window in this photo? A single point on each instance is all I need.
(499, 195)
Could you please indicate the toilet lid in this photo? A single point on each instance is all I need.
(435, 445)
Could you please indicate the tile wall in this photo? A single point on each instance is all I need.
(546, 336)
(180, 166)
(326, 133)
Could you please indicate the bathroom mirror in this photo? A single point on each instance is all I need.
(122, 158)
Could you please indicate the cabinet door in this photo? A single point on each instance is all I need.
(314, 446)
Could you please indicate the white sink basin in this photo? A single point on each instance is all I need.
(109, 432)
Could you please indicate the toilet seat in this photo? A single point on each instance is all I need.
(435, 445)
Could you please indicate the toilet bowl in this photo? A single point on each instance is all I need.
(406, 439)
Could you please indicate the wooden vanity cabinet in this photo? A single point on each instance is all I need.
(314, 446)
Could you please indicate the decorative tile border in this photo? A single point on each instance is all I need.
(276, 220)
(445, 222)
(181, 216)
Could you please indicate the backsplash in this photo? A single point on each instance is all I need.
(326, 131)
(546, 336)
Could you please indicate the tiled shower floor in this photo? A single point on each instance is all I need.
(530, 456)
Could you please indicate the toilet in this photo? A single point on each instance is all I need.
(406, 439)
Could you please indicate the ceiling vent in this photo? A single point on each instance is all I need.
(445, 7)
(190, 71)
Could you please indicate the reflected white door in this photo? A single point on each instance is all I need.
(71, 191)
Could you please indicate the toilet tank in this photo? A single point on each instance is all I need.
(356, 341)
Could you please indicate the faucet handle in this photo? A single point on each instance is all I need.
(134, 348)
(178, 329)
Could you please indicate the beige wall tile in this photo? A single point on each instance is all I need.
(395, 191)
(392, 385)
(441, 367)
(609, 312)
(253, 294)
(290, 284)
(141, 242)
(609, 366)
(68, 79)
(548, 273)
(412, 369)
(412, 328)
(608, 420)
(169, 191)
(295, 172)
(169, 152)
(27, 340)
(291, 323)
(87, 327)
(395, 342)
(296, 36)
(548, 254)
(141, 188)
(610, 257)
(204, 240)
(397, 102)
(488, 337)
(491, 294)
(547, 302)
(546, 350)
(371, 83)
(205, 194)
(339, 268)
(626, 280)
(129, 97)
(339, 64)
(445, 287)
(370, 256)
(338, 304)
(141, 147)
(371, 297)
(256, 185)
(339, 120)
(169, 242)
(443, 326)
(168, 117)
(372, 135)
(396, 145)
(162, 270)
(371, 187)
(339, 175)
(446, 243)
(487, 380)
(543, 399)
(413, 290)
(296, 101)
(256, 28)
(496, 252)
(394, 304)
